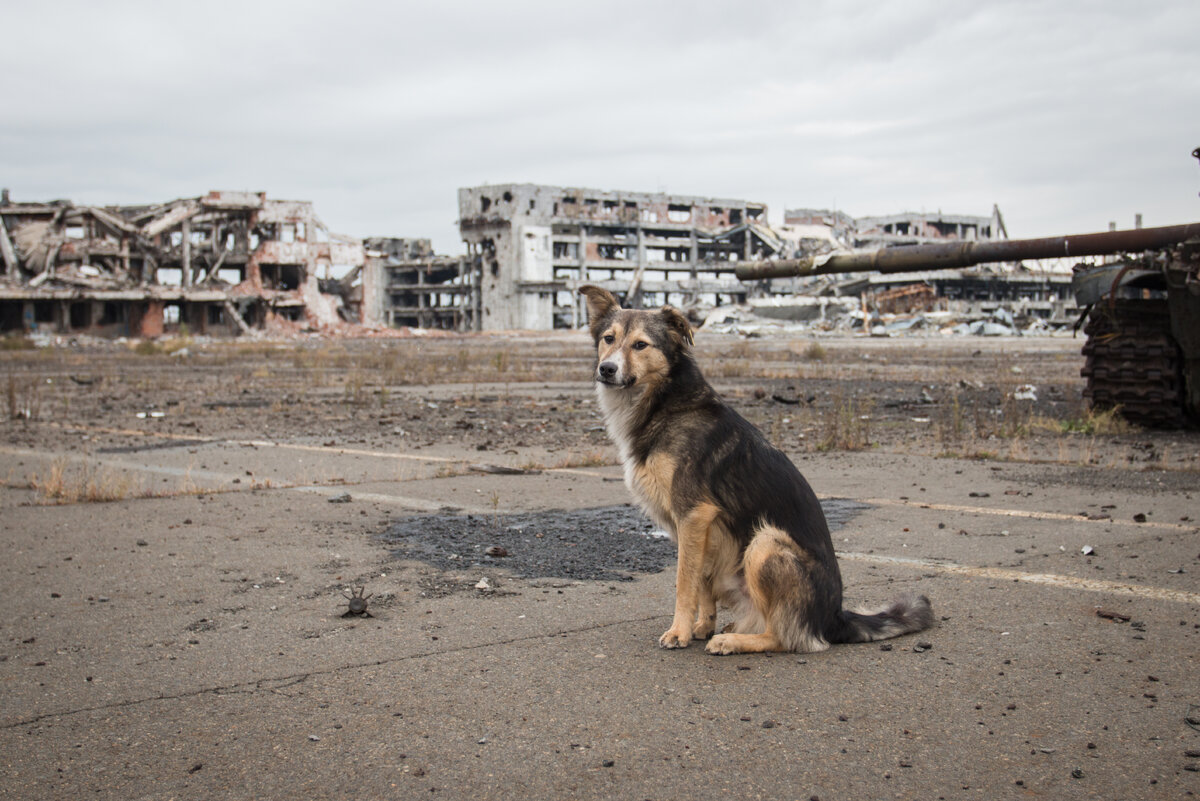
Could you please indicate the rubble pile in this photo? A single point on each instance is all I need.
(849, 317)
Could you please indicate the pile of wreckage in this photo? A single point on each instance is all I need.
(224, 263)
(863, 315)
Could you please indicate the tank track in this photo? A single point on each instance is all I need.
(1134, 363)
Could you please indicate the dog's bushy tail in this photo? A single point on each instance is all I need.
(905, 615)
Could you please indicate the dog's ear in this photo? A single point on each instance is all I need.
(678, 326)
(600, 303)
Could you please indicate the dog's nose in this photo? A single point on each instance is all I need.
(607, 370)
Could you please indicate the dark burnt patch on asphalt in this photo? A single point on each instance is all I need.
(608, 543)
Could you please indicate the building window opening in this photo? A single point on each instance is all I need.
(284, 277)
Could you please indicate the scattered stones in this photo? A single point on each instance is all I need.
(341, 497)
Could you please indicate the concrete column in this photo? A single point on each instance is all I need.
(583, 271)
(185, 260)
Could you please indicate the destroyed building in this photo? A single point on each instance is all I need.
(230, 263)
(411, 286)
(536, 244)
(223, 263)
(1040, 291)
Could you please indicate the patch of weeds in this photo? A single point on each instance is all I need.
(595, 458)
(847, 427)
(451, 470)
(24, 398)
(356, 387)
(815, 352)
(951, 424)
(16, 342)
(86, 485)
(1097, 421)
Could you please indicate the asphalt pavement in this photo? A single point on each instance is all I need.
(195, 645)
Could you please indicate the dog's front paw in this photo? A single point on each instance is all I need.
(675, 637)
(721, 645)
(704, 629)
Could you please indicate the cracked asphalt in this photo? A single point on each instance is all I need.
(193, 644)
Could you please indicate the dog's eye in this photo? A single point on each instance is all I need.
(641, 345)
(608, 339)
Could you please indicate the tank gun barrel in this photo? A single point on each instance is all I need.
(951, 255)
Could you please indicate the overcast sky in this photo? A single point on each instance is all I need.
(1067, 115)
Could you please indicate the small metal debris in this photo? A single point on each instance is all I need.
(358, 603)
(1087, 550)
(1117, 616)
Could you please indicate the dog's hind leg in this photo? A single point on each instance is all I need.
(779, 580)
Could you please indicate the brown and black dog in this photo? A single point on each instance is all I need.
(750, 531)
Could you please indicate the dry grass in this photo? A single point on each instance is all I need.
(594, 458)
(24, 397)
(88, 484)
(15, 342)
(847, 426)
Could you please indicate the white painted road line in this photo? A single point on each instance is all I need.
(1052, 579)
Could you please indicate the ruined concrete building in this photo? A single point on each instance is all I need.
(535, 244)
(1041, 292)
(238, 262)
(227, 262)
(411, 286)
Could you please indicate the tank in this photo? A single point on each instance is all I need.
(1141, 311)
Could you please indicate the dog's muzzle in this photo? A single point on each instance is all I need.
(609, 373)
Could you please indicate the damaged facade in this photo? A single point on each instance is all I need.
(1041, 292)
(223, 263)
(411, 286)
(230, 263)
(536, 244)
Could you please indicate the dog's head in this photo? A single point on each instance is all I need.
(634, 348)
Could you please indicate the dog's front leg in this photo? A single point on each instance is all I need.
(692, 537)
